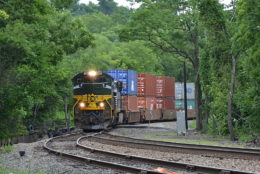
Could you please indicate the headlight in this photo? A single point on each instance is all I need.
(101, 104)
(92, 73)
(82, 104)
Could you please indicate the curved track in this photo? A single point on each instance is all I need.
(219, 151)
(63, 152)
(165, 164)
(119, 162)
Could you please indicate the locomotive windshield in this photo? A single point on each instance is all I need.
(100, 84)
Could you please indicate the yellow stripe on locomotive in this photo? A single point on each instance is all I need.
(93, 102)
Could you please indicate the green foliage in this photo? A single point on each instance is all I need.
(82, 9)
(14, 171)
(247, 98)
(3, 15)
(61, 4)
(97, 22)
(192, 125)
(32, 43)
(6, 149)
(107, 6)
(132, 55)
(229, 33)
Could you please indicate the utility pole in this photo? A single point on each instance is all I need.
(185, 94)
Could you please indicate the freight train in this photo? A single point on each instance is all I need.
(117, 96)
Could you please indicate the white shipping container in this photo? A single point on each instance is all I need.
(179, 91)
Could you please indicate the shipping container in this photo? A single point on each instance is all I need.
(129, 103)
(179, 91)
(168, 103)
(146, 85)
(180, 104)
(146, 103)
(165, 86)
(169, 87)
(159, 103)
(128, 78)
(160, 83)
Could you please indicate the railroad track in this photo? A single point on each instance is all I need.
(51, 146)
(119, 162)
(218, 151)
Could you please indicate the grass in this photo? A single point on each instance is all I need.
(13, 171)
(192, 124)
(6, 149)
(172, 137)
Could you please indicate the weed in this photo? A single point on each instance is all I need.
(6, 149)
(14, 171)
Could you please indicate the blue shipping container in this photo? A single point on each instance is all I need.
(129, 79)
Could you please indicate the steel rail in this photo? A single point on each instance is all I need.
(234, 151)
(177, 165)
(94, 161)
(183, 144)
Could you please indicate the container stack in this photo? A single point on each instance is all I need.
(165, 92)
(155, 92)
(146, 85)
(129, 79)
(129, 91)
(179, 92)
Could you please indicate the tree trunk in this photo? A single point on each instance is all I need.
(35, 111)
(207, 101)
(196, 64)
(198, 102)
(65, 99)
(230, 99)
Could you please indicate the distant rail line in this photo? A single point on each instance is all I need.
(71, 146)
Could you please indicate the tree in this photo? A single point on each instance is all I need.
(171, 26)
(32, 41)
(218, 39)
(247, 40)
(107, 6)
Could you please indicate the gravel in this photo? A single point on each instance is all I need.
(39, 160)
(234, 164)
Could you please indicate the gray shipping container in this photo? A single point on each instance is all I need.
(179, 91)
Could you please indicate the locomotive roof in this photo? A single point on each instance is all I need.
(81, 74)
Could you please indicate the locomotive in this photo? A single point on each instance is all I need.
(97, 97)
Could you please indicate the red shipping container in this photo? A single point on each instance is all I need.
(165, 103)
(159, 103)
(146, 102)
(129, 103)
(169, 103)
(141, 102)
(160, 83)
(165, 86)
(146, 85)
(151, 103)
(169, 87)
